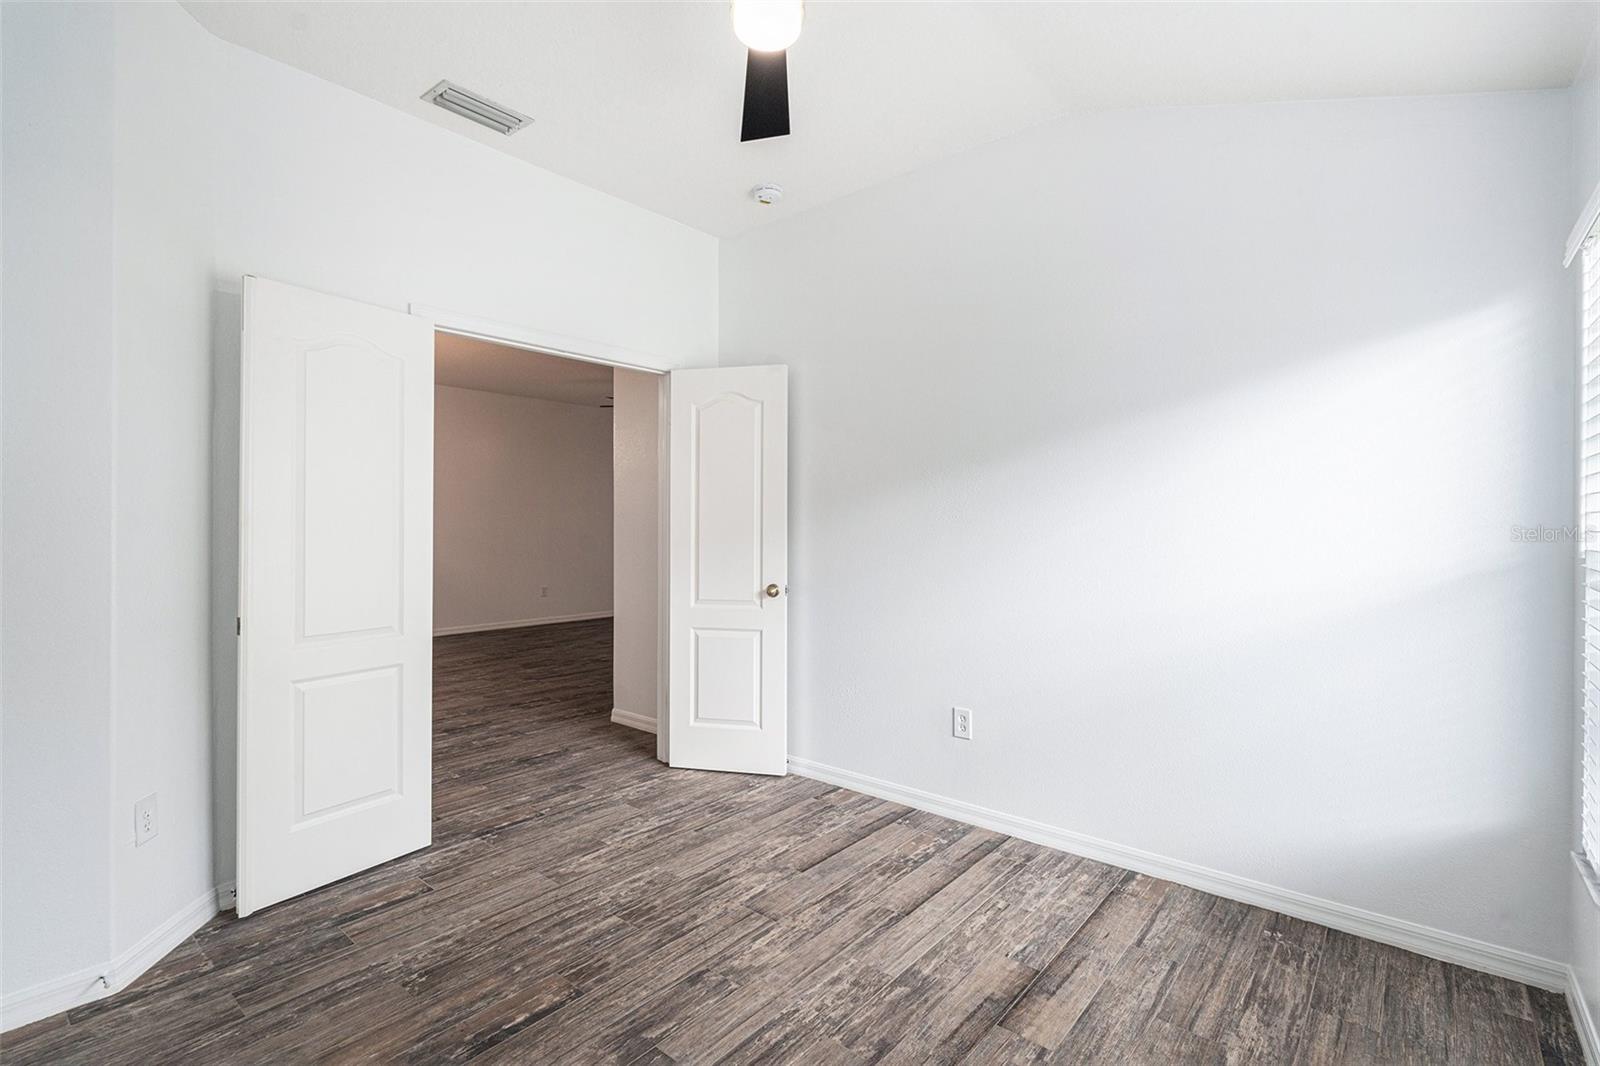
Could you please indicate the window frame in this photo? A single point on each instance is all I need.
(1584, 245)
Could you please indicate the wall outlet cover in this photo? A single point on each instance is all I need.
(961, 723)
(144, 819)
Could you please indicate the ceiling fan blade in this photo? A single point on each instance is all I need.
(766, 96)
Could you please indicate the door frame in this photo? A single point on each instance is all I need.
(564, 347)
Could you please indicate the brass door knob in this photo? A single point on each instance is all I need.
(773, 591)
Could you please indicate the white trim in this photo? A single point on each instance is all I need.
(96, 982)
(162, 940)
(1583, 227)
(1583, 1019)
(663, 563)
(521, 623)
(1424, 940)
(540, 341)
(242, 867)
(51, 997)
(516, 336)
(647, 723)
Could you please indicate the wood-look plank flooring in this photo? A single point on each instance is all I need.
(582, 903)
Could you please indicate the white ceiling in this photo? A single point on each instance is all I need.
(468, 363)
(642, 100)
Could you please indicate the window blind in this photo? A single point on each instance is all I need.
(1589, 549)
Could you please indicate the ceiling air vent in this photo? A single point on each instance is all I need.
(471, 105)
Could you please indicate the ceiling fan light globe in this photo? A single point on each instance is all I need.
(767, 25)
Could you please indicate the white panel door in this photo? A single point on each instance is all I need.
(335, 590)
(728, 563)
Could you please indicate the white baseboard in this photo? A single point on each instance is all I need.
(1424, 940)
(633, 721)
(521, 623)
(52, 997)
(160, 941)
(1583, 1019)
(97, 982)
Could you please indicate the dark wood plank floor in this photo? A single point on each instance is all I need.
(582, 903)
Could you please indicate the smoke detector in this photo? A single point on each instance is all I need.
(767, 194)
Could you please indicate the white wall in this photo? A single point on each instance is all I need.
(521, 501)
(1585, 97)
(125, 234)
(57, 391)
(1185, 446)
(160, 654)
(637, 516)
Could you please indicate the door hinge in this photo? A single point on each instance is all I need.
(238, 626)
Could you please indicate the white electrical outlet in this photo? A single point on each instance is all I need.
(544, 590)
(144, 819)
(961, 723)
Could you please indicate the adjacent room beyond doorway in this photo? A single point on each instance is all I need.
(544, 538)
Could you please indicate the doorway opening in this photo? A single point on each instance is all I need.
(336, 620)
(546, 544)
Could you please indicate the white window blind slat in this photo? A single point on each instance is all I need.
(1590, 300)
(1589, 556)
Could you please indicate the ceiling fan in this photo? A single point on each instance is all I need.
(767, 28)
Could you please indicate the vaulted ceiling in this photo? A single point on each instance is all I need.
(642, 100)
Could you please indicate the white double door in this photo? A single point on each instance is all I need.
(335, 592)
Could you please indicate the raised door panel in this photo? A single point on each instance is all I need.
(352, 475)
(726, 677)
(350, 742)
(727, 501)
